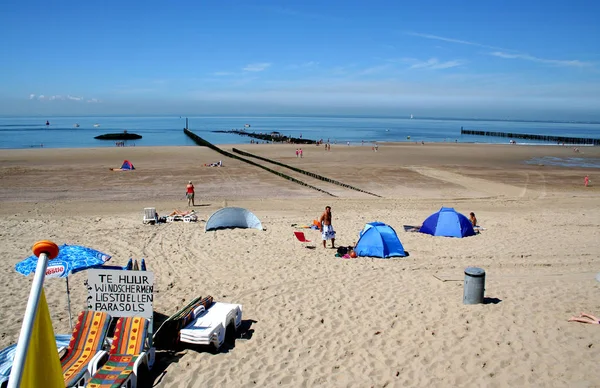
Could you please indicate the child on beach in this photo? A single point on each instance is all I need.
(473, 219)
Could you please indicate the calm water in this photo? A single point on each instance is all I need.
(27, 132)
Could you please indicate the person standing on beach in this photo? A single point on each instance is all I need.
(327, 232)
(586, 181)
(300, 152)
(189, 193)
(297, 152)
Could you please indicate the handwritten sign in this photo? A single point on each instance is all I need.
(121, 293)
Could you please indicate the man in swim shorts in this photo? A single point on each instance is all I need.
(327, 232)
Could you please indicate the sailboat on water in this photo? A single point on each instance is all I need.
(411, 116)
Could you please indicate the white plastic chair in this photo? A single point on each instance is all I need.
(150, 215)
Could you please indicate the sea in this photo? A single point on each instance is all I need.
(79, 132)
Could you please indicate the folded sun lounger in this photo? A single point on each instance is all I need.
(167, 335)
(85, 348)
(127, 364)
(209, 325)
(7, 356)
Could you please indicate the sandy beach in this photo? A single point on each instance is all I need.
(310, 318)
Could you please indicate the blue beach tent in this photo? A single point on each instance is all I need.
(448, 223)
(127, 165)
(379, 240)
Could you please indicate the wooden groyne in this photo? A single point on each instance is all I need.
(201, 142)
(555, 139)
(272, 137)
(311, 174)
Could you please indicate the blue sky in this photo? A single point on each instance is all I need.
(534, 59)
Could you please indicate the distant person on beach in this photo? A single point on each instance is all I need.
(473, 219)
(327, 232)
(586, 181)
(300, 152)
(189, 193)
(585, 318)
(297, 152)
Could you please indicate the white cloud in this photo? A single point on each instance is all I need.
(452, 40)
(257, 66)
(58, 97)
(502, 53)
(527, 57)
(435, 64)
(93, 100)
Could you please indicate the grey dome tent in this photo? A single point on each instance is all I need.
(232, 217)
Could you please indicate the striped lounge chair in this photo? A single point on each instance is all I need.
(126, 356)
(85, 348)
(167, 335)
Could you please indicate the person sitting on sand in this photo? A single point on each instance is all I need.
(585, 318)
(473, 219)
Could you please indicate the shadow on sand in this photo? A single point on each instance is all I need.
(164, 358)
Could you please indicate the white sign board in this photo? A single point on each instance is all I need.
(121, 293)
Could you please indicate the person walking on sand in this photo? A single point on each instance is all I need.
(586, 181)
(300, 152)
(327, 232)
(189, 193)
(297, 152)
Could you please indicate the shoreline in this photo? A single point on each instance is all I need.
(355, 144)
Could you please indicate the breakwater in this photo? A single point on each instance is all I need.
(119, 136)
(308, 173)
(548, 138)
(201, 142)
(272, 137)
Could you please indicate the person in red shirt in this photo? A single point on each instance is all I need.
(190, 193)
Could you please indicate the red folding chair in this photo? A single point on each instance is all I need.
(301, 237)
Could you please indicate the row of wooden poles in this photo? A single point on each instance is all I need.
(557, 139)
(201, 142)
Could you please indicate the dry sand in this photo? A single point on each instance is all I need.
(312, 319)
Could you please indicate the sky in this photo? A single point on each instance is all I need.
(439, 58)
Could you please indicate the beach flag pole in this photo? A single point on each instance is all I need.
(44, 250)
